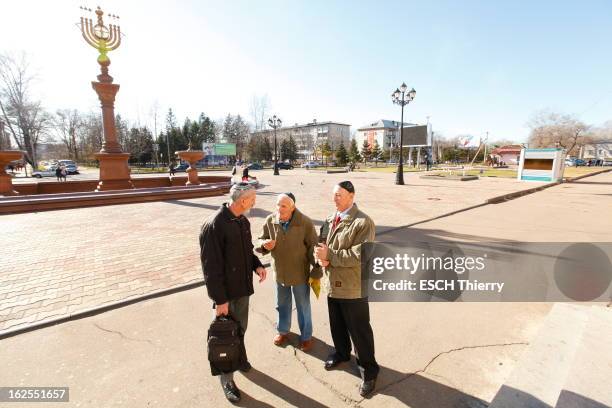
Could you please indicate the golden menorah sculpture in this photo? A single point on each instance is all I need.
(101, 37)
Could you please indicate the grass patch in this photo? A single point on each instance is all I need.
(580, 171)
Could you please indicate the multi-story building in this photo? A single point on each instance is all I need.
(310, 136)
(601, 150)
(385, 132)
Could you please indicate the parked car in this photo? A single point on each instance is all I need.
(181, 167)
(71, 167)
(48, 172)
(574, 162)
(254, 166)
(284, 166)
(310, 165)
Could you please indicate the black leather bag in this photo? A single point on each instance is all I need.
(224, 345)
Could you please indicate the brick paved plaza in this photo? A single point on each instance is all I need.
(152, 354)
(58, 263)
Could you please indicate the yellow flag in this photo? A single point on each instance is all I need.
(315, 284)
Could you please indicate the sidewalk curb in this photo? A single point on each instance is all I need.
(572, 179)
(101, 309)
(517, 194)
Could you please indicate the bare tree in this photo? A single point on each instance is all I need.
(25, 119)
(259, 106)
(67, 123)
(90, 136)
(552, 129)
(5, 140)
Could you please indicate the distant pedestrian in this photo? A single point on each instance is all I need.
(64, 172)
(171, 169)
(58, 173)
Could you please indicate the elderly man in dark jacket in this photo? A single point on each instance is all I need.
(228, 263)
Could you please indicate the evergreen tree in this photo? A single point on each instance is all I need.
(284, 150)
(326, 151)
(342, 155)
(354, 155)
(207, 129)
(376, 153)
(172, 136)
(293, 150)
(366, 151)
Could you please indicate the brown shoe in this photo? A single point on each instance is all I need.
(306, 345)
(279, 339)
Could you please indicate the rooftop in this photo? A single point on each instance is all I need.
(385, 124)
(297, 126)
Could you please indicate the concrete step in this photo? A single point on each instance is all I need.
(42, 202)
(539, 375)
(589, 383)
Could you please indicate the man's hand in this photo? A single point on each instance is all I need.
(320, 252)
(262, 273)
(222, 310)
(269, 244)
(323, 263)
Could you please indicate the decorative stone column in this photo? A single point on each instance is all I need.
(114, 169)
(191, 156)
(6, 181)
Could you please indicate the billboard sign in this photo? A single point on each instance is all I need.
(219, 149)
(417, 136)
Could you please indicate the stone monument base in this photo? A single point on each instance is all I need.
(114, 171)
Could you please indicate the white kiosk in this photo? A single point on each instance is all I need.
(541, 165)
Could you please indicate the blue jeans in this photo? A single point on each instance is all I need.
(284, 306)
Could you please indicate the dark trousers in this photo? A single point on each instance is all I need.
(350, 320)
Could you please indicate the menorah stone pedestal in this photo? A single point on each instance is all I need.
(6, 181)
(114, 171)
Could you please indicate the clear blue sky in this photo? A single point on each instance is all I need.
(476, 65)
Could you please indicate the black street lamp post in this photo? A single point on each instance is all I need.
(275, 123)
(402, 98)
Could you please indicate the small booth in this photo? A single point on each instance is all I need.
(541, 164)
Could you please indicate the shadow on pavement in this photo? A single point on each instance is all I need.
(190, 204)
(279, 389)
(411, 389)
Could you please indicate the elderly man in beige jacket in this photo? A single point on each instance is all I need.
(290, 237)
(349, 314)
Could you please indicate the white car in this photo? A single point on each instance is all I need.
(310, 165)
(49, 172)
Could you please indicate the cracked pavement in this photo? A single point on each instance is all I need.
(431, 354)
(153, 354)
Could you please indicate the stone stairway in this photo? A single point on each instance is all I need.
(568, 364)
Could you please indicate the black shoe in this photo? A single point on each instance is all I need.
(332, 361)
(367, 387)
(232, 393)
(246, 367)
